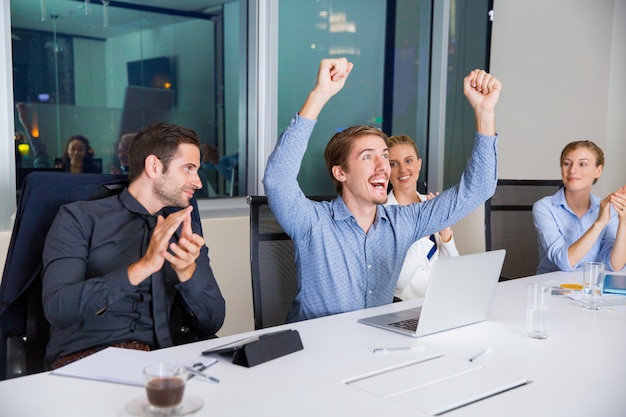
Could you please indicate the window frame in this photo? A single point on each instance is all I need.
(7, 167)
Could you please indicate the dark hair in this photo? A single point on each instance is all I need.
(595, 149)
(87, 160)
(340, 145)
(161, 140)
(403, 140)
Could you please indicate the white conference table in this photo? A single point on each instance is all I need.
(579, 370)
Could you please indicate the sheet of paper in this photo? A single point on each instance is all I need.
(438, 384)
(122, 366)
(607, 299)
(459, 390)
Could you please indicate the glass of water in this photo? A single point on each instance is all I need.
(593, 285)
(538, 310)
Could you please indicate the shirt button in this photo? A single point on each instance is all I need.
(369, 292)
(369, 266)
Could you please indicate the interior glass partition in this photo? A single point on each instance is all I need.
(469, 40)
(338, 28)
(390, 43)
(102, 69)
(85, 68)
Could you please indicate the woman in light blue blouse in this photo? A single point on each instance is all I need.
(574, 226)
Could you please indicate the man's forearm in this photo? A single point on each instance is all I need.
(313, 105)
(486, 123)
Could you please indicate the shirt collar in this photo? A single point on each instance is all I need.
(132, 204)
(342, 212)
(558, 199)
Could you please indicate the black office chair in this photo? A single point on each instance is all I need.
(24, 331)
(21, 173)
(509, 224)
(421, 187)
(272, 262)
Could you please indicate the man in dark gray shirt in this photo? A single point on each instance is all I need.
(113, 267)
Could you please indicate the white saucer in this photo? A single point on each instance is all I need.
(139, 406)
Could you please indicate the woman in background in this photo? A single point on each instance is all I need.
(78, 156)
(405, 169)
(573, 225)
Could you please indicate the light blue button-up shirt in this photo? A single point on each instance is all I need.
(558, 227)
(340, 267)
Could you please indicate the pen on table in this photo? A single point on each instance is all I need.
(398, 349)
(195, 372)
(479, 354)
(199, 366)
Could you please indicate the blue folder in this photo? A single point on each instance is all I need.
(615, 284)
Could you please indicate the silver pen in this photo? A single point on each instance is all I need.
(479, 354)
(398, 349)
(198, 372)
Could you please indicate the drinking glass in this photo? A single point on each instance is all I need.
(593, 285)
(538, 310)
(165, 386)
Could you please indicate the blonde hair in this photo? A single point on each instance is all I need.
(403, 140)
(595, 149)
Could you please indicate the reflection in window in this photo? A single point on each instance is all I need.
(470, 36)
(390, 43)
(81, 69)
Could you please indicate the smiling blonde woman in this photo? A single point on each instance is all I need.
(574, 226)
(405, 165)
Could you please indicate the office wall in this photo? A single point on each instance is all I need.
(228, 240)
(564, 80)
(562, 64)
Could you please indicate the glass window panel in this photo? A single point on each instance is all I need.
(103, 71)
(469, 39)
(310, 30)
(411, 73)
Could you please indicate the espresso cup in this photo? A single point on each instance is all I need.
(165, 386)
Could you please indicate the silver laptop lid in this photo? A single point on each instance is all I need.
(459, 293)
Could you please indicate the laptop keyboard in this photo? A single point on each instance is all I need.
(408, 324)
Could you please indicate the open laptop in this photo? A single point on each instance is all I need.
(459, 293)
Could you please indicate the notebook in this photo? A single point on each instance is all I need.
(459, 293)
